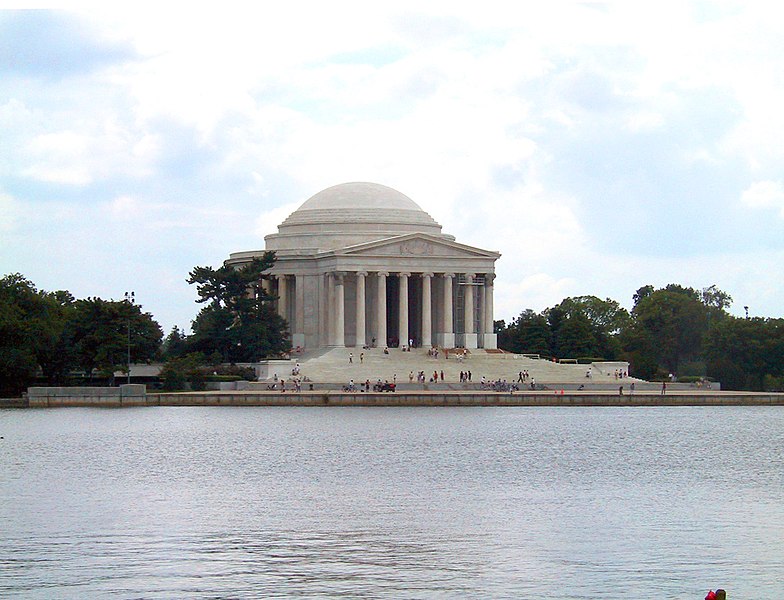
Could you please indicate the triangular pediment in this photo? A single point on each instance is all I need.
(413, 245)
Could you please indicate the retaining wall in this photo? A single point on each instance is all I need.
(135, 395)
(438, 398)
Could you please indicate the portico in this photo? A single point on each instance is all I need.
(360, 265)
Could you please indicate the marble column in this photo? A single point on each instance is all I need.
(361, 340)
(468, 312)
(298, 317)
(449, 332)
(282, 297)
(381, 310)
(403, 320)
(340, 310)
(328, 317)
(427, 316)
(490, 338)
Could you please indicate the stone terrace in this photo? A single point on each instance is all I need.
(334, 366)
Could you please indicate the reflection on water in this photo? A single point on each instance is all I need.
(391, 502)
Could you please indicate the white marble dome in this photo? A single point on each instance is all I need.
(348, 214)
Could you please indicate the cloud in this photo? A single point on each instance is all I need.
(51, 44)
(8, 213)
(765, 194)
(598, 147)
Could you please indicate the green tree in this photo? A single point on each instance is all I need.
(745, 353)
(175, 344)
(676, 322)
(587, 326)
(178, 371)
(239, 320)
(669, 325)
(100, 331)
(31, 334)
(639, 348)
(527, 334)
(18, 363)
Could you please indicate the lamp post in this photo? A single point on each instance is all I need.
(130, 298)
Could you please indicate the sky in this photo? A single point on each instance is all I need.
(599, 147)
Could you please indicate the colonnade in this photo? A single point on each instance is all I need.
(361, 308)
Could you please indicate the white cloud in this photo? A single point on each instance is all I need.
(510, 126)
(9, 210)
(765, 194)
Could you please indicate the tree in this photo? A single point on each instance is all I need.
(675, 322)
(100, 331)
(745, 353)
(177, 371)
(239, 320)
(587, 326)
(18, 362)
(716, 298)
(527, 334)
(31, 334)
(670, 324)
(175, 344)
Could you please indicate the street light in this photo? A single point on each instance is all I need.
(130, 298)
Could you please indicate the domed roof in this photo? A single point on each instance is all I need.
(348, 214)
(359, 195)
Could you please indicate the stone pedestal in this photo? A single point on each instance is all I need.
(490, 341)
(471, 340)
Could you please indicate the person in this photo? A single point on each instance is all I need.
(631, 388)
(386, 349)
(620, 391)
(442, 375)
(410, 377)
(350, 357)
(664, 388)
(361, 357)
(520, 377)
(711, 595)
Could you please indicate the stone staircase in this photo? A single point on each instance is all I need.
(372, 364)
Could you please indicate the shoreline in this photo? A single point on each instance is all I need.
(116, 397)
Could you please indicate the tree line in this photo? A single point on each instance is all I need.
(670, 331)
(53, 338)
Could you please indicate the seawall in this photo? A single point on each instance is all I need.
(135, 395)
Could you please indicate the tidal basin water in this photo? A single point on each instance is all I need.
(392, 502)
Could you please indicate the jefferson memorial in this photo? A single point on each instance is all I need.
(362, 265)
